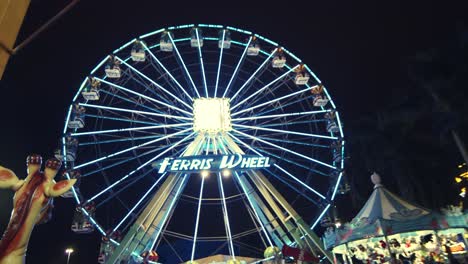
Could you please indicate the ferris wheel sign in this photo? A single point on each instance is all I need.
(213, 163)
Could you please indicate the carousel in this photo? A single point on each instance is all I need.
(390, 229)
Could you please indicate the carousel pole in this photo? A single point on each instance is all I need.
(350, 259)
(388, 247)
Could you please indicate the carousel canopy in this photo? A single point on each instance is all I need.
(384, 204)
(386, 214)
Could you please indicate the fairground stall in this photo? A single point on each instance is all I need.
(389, 228)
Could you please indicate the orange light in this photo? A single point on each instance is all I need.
(463, 192)
(458, 179)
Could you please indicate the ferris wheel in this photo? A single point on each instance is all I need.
(202, 133)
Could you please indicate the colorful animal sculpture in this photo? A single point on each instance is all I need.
(32, 204)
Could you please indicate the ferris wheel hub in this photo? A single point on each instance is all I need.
(211, 115)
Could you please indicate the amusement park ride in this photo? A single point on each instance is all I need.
(202, 115)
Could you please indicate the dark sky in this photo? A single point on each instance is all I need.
(357, 48)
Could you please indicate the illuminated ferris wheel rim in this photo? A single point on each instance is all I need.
(188, 107)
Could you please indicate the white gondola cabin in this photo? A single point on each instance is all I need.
(194, 40)
(77, 117)
(301, 78)
(254, 47)
(71, 146)
(81, 223)
(226, 43)
(165, 43)
(337, 156)
(279, 60)
(112, 68)
(332, 127)
(91, 90)
(107, 247)
(138, 52)
(320, 100)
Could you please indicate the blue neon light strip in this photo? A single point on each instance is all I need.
(219, 66)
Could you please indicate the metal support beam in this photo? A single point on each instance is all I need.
(145, 231)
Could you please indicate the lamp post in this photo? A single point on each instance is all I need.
(68, 251)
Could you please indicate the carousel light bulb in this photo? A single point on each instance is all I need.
(337, 223)
(458, 179)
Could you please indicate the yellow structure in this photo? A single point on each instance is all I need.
(12, 13)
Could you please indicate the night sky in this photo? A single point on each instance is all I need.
(358, 50)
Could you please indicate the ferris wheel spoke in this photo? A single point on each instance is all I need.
(183, 65)
(225, 151)
(271, 101)
(170, 209)
(168, 72)
(126, 120)
(127, 138)
(117, 130)
(226, 215)
(200, 55)
(266, 124)
(125, 161)
(139, 202)
(287, 150)
(262, 111)
(143, 96)
(200, 198)
(134, 111)
(138, 168)
(283, 122)
(294, 142)
(149, 87)
(224, 206)
(285, 101)
(264, 87)
(154, 83)
(253, 75)
(135, 102)
(301, 182)
(131, 148)
(121, 139)
(270, 91)
(252, 207)
(255, 220)
(219, 65)
(301, 192)
(284, 131)
(281, 115)
(115, 193)
(262, 150)
(234, 74)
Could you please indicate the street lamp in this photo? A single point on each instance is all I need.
(68, 251)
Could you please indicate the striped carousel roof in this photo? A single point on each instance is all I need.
(384, 204)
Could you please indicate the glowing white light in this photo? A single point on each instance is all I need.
(226, 173)
(211, 115)
(205, 174)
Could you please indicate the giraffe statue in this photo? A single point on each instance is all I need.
(32, 204)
